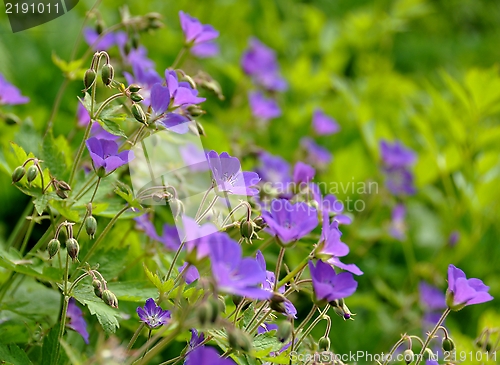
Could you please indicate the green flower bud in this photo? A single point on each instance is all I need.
(200, 129)
(205, 313)
(284, 331)
(107, 74)
(259, 224)
(61, 194)
(341, 309)
(448, 344)
(99, 26)
(73, 248)
(135, 41)
(63, 185)
(195, 110)
(32, 173)
(428, 354)
(97, 287)
(247, 229)
(277, 303)
(91, 226)
(176, 207)
(109, 298)
(53, 247)
(18, 174)
(89, 78)
(239, 340)
(133, 88)
(138, 113)
(408, 356)
(324, 344)
(11, 119)
(214, 304)
(137, 98)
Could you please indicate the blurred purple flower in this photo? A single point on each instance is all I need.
(397, 161)
(397, 228)
(196, 338)
(274, 169)
(145, 76)
(194, 157)
(303, 173)
(104, 154)
(290, 222)
(330, 204)
(399, 181)
(396, 154)
(199, 36)
(104, 43)
(316, 154)
(262, 107)
(197, 236)
(76, 321)
(323, 124)
(152, 315)
(266, 327)
(9, 94)
(234, 274)
(453, 238)
(329, 285)
(191, 274)
(228, 177)
(204, 355)
(144, 223)
(462, 291)
(431, 298)
(259, 61)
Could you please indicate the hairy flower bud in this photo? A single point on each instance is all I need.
(408, 356)
(195, 110)
(53, 247)
(134, 88)
(63, 185)
(107, 74)
(97, 287)
(239, 340)
(138, 113)
(284, 331)
(200, 129)
(89, 79)
(32, 173)
(61, 194)
(73, 248)
(109, 298)
(18, 174)
(177, 207)
(324, 344)
(341, 309)
(247, 229)
(136, 98)
(204, 313)
(277, 303)
(448, 344)
(91, 226)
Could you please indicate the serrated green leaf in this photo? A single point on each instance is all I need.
(49, 347)
(124, 191)
(72, 69)
(12, 354)
(265, 343)
(133, 291)
(112, 127)
(43, 200)
(67, 212)
(53, 157)
(162, 286)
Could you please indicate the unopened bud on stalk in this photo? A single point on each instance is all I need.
(97, 287)
(408, 356)
(138, 113)
(107, 74)
(18, 174)
(61, 194)
(195, 110)
(32, 173)
(177, 207)
(91, 226)
(136, 98)
(284, 332)
(89, 79)
(109, 298)
(324, 344)
(277, 303)
(200, 129)
(73, 248)
(247, 229)
(448, 344)
(53, 247)
(204, 313)
(63, 185)
(239, 340)
(133, 88)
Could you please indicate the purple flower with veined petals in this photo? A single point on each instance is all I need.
(259, 61)
(462, 291)
(105, 156)
(181, 92)
(330, 204)
(262, 107)
(303, 173)
(191, 274)
(145, 76)
(152, 315)
(328, 285)
(398, 225)
(9, 94)
(316, 154)
(290, 222)
(92, 38)
(199, 36)
(76, 321)
(196, 338)
(204, 355)
(323, 124)
(234, 274)
(228, 177)
(274, 169)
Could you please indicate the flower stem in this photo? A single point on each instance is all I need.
(136, 334)
(278, 267)
(202, 215)
(63, 312)
(311, 327)
(28, 232)
(80, 152)
(432, 334)
(180, 57)
(294, 272)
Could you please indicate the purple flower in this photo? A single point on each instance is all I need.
(145, 76)
(263, 108)
(259, 61)
(396, 154)
(181, 92)
(462, 291)
(399, 181)
(196, 338)
(323, 124)
(105, 156)
(194, 157)
(197, 237)
(431, 298)
(290, 222)
(97, 131)
(303, 173)
(228, 177)
(453, 238)
(191, 274)
(203, 355)
(200, 37)
(97, 42)
(330, 204)
(316, 154)
(152, 315)
(160, 103)
(9, 94)
(328, 285)
(397, 161)
(234, 274)
(398, 225)
(266, 327)
(76, 321)
(274, 169)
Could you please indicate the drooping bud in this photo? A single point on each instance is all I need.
(73, 248)
(11, 119)
(91, 226)
(204, 313)
(239, 340)
(136, 98)
(448, 344)
(408, 356)
(61, 194)
(138, 113)
(428, 354)
(109, 298)
(107, 74)
(341, 309)
(63, 185)
(89, 79)
(134, 88)
(259, 224)
(324, 344)
(177, 207)
(97, 287)
(32, 173)
(195, 110)
(135, 41)
(284, 331)
(99, 26)
(277, 303)
(53, 247)
(200, 129)
(247, 230)
(18, 174)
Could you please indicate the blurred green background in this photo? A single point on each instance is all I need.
(424, 72)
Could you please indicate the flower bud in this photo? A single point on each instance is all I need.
(11, 119)
(53, 247)
(284, 331)
(177, 207)
(195, 110)
(205, 313)
(200, 129)
(107, 74)
(63, 185)
(408, 356)
(97, 287)
(324, 344)
(239, 340)
(18, 174)
(341, 309)
(91, 226)
(428, 354)
(89, 78)
(138, 113)
(109, 298)
(448, 344)
(247, 229)
(73, 248)
(32, 173)
(214, 304)
(259, 224)
(133, 88)
(135, 97)
(135, 41)
(61, 194)
(277, 303)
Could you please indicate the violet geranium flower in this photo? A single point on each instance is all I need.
(397, 161)
(397, 228)
(290, 222)
(234, 274)
(152, 315)
(262, 107)
(200, 37)
(9, 94)
(105, 156)
(228, 177)
(328, 285)
(316, 155)
(462, 291)
(204, 355)
(76, 321)
(323, 124)
(303, 173)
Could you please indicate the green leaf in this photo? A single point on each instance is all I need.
(265, 343)
(12, 354)
(162, 286)
(13, 261)
(72, 70)
(52, 156)
(49, 348)
(124, 191)
(112, 127)
(43, 200)
(133, 291)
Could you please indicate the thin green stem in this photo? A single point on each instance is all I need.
(294, 272)
(134, 337)
(176, 256)
(80, 152)
(432, 334)
(313, 324)
(19, 226)
(278, 267)
(63, 312)
(28, 232)
(255, 316)
(203, 199)
(148, 344)
(180, 57)
(211, 205)
(105, 104)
